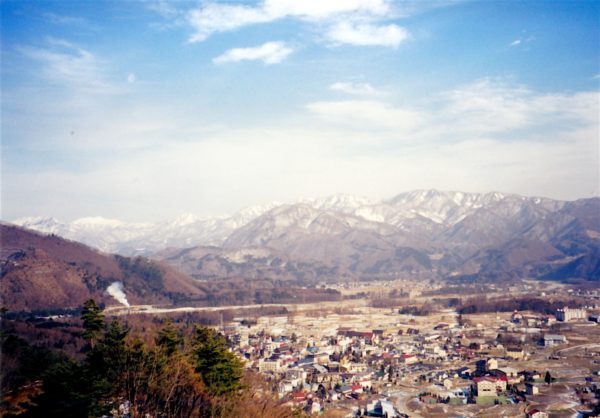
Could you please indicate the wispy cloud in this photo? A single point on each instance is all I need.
(522, 42)
(356, 89)
(269, 53)
(64, 19)
(164, 8)
(489, 106)
(68, 64)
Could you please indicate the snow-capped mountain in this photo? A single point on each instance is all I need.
(111, 235)
(420, 232)
(424, 213)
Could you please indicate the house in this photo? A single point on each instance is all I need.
(379, 333)
(285, 386)
(516, 317)
(321, 358)
(531, 389)
(463, 372)
(299, 396)
(515, 353)
(548, 320)
(536, 413)
(490, 385)
(367, 336)
(345, 390)
(550, 340)
(511, 374)
(272, 364)
(486, 365)
(357, 388)
(407, 358)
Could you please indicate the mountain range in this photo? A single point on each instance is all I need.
(423, 233)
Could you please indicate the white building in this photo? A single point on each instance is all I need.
(269, 365)
(381, 407)
(566, 314)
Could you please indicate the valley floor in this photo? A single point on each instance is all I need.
(354, 355)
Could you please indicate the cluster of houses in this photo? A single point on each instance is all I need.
(355, 369)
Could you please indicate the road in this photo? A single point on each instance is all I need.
(150, 309)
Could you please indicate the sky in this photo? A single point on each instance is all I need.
(144, 110)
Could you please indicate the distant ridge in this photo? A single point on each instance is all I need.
(422, 233)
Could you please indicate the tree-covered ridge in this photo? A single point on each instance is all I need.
(117, 372)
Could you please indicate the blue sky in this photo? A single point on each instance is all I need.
(143, 110)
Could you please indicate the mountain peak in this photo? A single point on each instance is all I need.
(338, 202)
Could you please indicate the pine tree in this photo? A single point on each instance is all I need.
(64, 394)
(93, 321)
(168, 338)
(105, 367)
(220, 370)
(113, 350)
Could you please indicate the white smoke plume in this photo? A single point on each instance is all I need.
(116, 291)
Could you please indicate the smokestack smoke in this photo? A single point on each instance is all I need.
(116, 291)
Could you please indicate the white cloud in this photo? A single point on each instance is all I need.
(356, 89)
(269, 53)
(211, 18)
(324, 9)
(214, 17)
(363, 34)
(515, 42)
(131, 78)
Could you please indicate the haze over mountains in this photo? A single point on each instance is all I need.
(424, 233)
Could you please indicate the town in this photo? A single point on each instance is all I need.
(354, 359)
